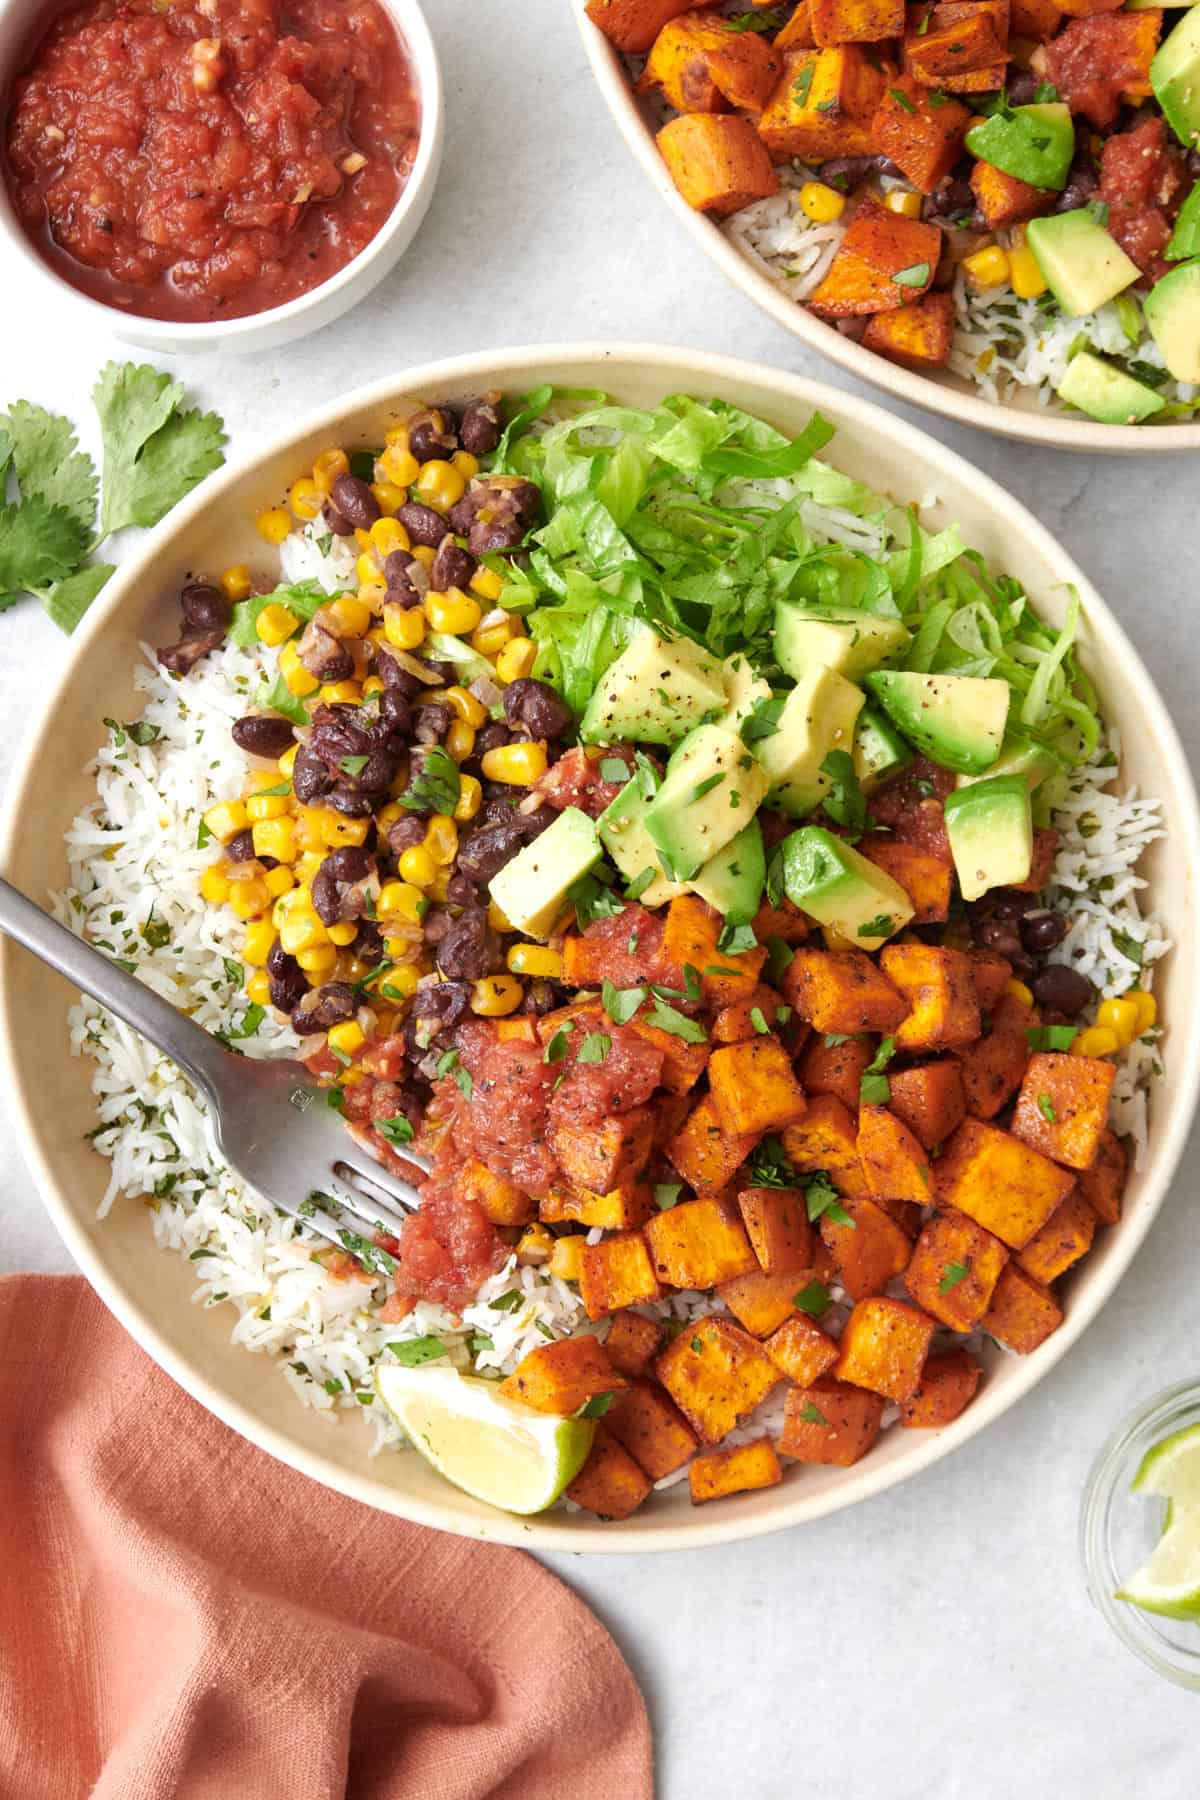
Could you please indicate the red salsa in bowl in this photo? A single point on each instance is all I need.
(210, 159)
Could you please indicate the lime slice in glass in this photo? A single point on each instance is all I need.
(1169, 1581)
(493, 1448)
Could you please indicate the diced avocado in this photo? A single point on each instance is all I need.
(531, 891)
(1033, 143)
(956, 720)
(1020, 755)
(1185, 239)
(1175, 78)
(839, 888)
(1107, 393)
(654, 693)
(818, 716)
(990, 828)
(733, 880)
(1083, 266)
(879, 750)
(849, 641)
(622, 828)
(1172, 309)
(744, 690)
(712, 789)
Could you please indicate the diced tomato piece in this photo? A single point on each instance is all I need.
(576, 780)
(911, 806)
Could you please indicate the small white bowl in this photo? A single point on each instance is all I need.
(23, 21)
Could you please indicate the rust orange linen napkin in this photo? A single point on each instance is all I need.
(183, 1618)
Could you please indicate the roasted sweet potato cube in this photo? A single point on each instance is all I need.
(705, 1155)
(690, 937)
(884, 1346)
(823, 105)
(893, 1159)
(1036, 20)
(736, 1022)
(620, 1209)
(829, 1422)
(718, 163)
(1001, 1183)
(835, 1068)
(993, 1068)
(672, 1111)
(948, 1385)
(797, 33)
(802, 1350)
(502, 1200)
(975, 81)
(563, 1376)
(610, 1484)
(735, 1471)
(777, 1225)
(1062, 1108)
(842, 991)
(608, 1155)
(937, 983)
(716, 1373)
(1004, 200)
(827, 1138)
(1045, 842)
(762, 1302)
(701, 66)
(924, 141)
(991, 974)
(754, 1087)
(1023, 1313)
(519, 1030)
(870, 1252)
(949, 47)
(698, 1244)
(856, 21)
(784, 921)
(929, 1098)
(632, 1343)
(878, 245)
(647, 1422)
(617, 1272)
(926, 879)
(633, 25)
(954, 1270)
(1103, 1184)
(1064, 1238)
(917, 337)
(683, 1063)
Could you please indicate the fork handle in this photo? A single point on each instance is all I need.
(186, 1043)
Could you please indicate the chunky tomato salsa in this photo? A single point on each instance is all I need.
(210, 160)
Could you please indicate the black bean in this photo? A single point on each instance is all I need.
(444, 1000)
(241, 847)
(470, 948)
(337, 888)
(369, 942)
(486, 852)
(1022, 86)
(431, 434)
(436, 924)
(431, 723)
(512, 507)
(452, 566)
(1063, 988)
(542, 996)
(405, 578)
(350, 863)
(181, 658)
(492, 736)
(355, 501)
(461, 891)
(537, 707)
(395, 714)
(423, 525)
(1042, 931)
(286, 978)
(998, 935)
(323, 1007)
(264, 734)
(310, 778)
(405, 833)
(480, 429)
(204, 607)
(336, 521)
(349, 801)
(1082, 183)
(395, 677)
(323, 655)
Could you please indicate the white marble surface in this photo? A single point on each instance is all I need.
(936, 1643)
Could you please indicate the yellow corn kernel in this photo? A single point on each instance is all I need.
(372, 594)
(248, 898)
(402, 949)
(302, 931)
(987, 268)
(387, 535)
(470, 798)
(905, 201)
(318, 959)
(372, 685)
(516, 659)
(821, 203)
(566, 1259)
(342, 693)
(486, 583)
(258, 988)
(1147, 1007)
(214, 886)
(389, 814)
(490, 640)
(310, 829)
(1027, 279)
(399, 984)
(309, 864)
(353, 969)
(273, 525)
(296, 678)
(460, 740)
(276, 838)
(400, 900)
(461, 701)
(328, 466)
(440, 485)
(287, 762)
(305, 498)
(466, 464)
(347, 1037)
(258, 781)
(339, 830)
(441, 840)
(362, 538)
(535, 1246)
(275, 624)
(417, 866)
(388, 497)
(1019, 991)
(425, 555)
(266, 806)
(520, 765)
(1120, 1017)
(367, 566)
(352, 1076)
(496, 995)
(342, 934)
(279, 880)
(399, 465)
(260, 935)
(347, 616)
(226, 819)
(403, 626)
(453, 611)
(235, 582)
(1097, 1040)
(535, 959)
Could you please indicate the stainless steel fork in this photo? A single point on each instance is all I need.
(271, 1118)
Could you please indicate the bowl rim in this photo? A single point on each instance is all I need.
(179, 336)
(517, 368)
(1035, 426)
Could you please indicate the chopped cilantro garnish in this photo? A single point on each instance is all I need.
(396, 1130)
(1046, 1108)
(666, 1193)
(812, 1415)
(813, 1299)
(595, 1047)
(952, 1274)
(415, 1351)
(596, 1407)
(621, 1003)
(734, 939)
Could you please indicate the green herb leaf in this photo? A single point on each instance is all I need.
(372, 1258)
(917, 275)
(882, 925)
(676, 1024)
(704, 787)
(559, 1044)
(48, 461)
(770, 1165)
(278, 697)
(1046, 1108)
(40, 545)
(1052, 1037)
(415, 1351)
(735, 939)
(762, 721)
(952, 1274)
(436, 787)
(154, 452)
(874, 1088)
(845, 803)
(639, 884)
(595, 1047)
(802, 85)
(596, 1407)
(758, 1021)
(812, 1415)
(621, 1003)
(666, 1193)
(814, 1299)
(507, 1302)
(351, 765)
(247, 1026)
(902, 99)
(396, 1131)
(822, 1200)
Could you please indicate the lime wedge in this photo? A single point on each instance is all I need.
(1169, 1582)
(493, 1448)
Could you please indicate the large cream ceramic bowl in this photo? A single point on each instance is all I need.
(1020, 417)
(150, 1289)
